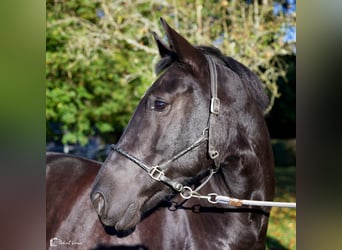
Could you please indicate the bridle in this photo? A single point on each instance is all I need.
(156, 172)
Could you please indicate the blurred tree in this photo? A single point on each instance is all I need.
(100, 54)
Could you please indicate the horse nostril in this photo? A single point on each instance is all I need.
(98, 203)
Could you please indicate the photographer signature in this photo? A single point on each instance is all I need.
(54, 242)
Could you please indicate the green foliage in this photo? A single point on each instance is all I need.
(100, 54)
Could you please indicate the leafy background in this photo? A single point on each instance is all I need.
(100, 57)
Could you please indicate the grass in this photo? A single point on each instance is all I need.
(281, 233)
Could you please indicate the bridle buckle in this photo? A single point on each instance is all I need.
(155, 173)
(215, 105)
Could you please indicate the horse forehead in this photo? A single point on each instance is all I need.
(175, 80)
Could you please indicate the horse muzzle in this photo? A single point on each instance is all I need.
(121, 218)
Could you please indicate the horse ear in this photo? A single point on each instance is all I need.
(164, 49)
(182, 48)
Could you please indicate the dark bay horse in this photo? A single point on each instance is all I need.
(199, 129)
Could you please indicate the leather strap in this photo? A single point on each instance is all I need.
(214, 112)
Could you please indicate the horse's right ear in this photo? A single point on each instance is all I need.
(184, 51)
(164, 49)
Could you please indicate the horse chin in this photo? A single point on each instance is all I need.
(130, 218)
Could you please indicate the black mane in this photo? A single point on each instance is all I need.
(249, 78)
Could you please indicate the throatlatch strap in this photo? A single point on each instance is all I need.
(214, 111)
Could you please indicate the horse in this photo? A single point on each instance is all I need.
(197, 133)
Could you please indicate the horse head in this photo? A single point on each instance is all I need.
(173, 128)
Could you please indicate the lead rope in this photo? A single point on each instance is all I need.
(215, 198)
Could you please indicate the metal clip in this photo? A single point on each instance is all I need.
(222, 199)
(155, 173)
(212, 198)
(215, 105)
(215, 198)
(186, 193)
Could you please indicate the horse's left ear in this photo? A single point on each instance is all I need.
(183, 49)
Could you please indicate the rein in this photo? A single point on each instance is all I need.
(156, 172)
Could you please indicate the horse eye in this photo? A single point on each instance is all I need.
(159, 105)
